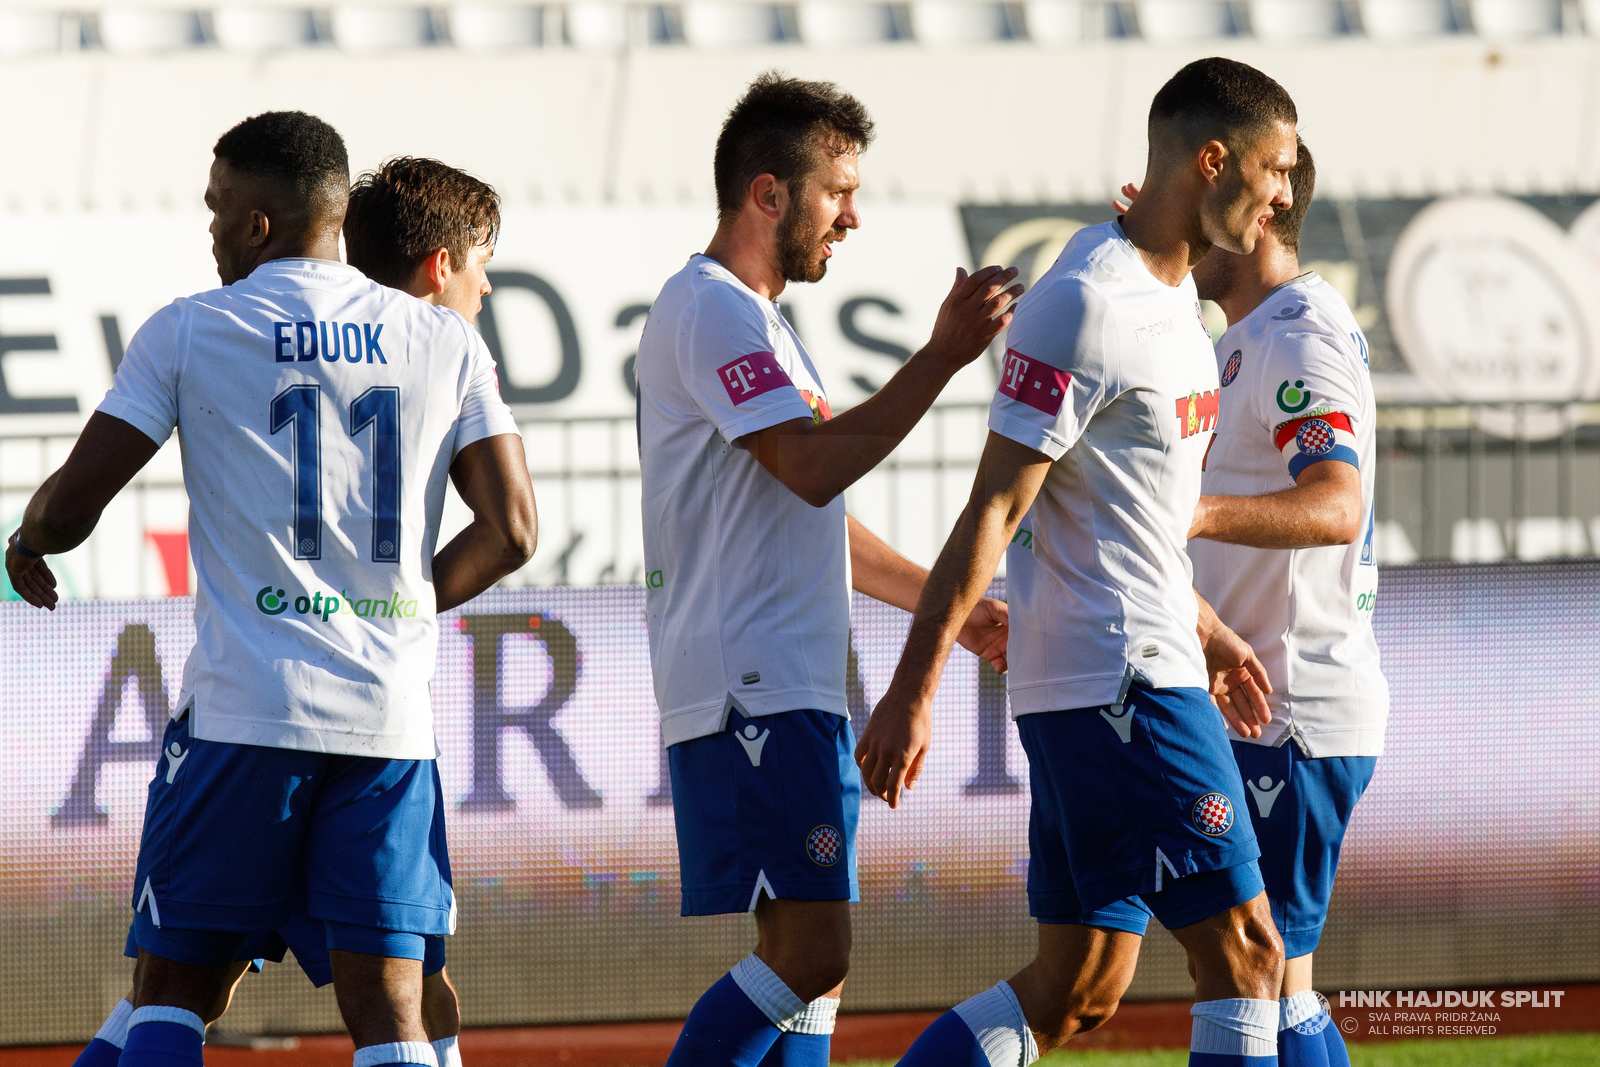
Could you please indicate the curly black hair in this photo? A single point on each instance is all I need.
(779, 127)
(406, 209)
(299, 153)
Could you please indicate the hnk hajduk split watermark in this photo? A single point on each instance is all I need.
(1437, 1012)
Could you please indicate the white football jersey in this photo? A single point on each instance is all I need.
(748, 586)
(1110, 373)
(318, 413)
(1296, 391)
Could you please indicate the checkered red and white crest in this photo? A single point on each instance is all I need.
(1213, 814)
(824, 846)
(1315, 437)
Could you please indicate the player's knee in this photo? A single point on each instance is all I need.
(1259, 950)
(1084, 1012)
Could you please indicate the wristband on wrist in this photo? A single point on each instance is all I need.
(23, 550)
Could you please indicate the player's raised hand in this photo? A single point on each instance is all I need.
(31, 578)
(977, 310)
(893, 746)
(1131, 191)
(985, 632)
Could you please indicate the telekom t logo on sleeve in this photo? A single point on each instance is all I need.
(1036, 384)
(750, 376)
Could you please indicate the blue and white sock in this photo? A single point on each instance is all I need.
(107, 1044)
(163, 1037)
(809, 1040)
(1238, 1032)
(396, 1052)
(446, 1052)
(1333, 1042)
(988, 1030)
(738, 1020)
(1300, 1023)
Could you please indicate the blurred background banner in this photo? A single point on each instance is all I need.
(1471, 861)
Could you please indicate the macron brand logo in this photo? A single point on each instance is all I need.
(750, 376)
(1035, 384)
(175, 757)
(1120, 716)
(752, 739)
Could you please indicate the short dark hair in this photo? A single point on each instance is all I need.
(1219, 99)
(1302, 184)
(408, 208)
(774, 129)
(300, 154)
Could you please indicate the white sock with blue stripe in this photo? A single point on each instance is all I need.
(396, 1052)
(996, 1020)
(1238, 1032)
(447, 1052)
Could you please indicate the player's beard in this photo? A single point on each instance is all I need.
(799, 250)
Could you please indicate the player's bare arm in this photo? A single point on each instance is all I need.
(895, 742)
(1323, 508)
(492, 477)
(884, 574)
(65, 509)
(818, 461)
(1237, 680)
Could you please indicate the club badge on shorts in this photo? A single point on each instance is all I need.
(1213, 815)
(824, 846)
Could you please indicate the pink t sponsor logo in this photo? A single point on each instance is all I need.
(1035, 384)
(750, 376)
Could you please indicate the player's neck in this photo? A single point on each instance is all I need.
(1164, 225)
(1258, 275)
(317, 245)
(748, 256)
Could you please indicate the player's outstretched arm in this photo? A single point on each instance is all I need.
(66, 508)
(895, 742)
(819, 461)
(492, 477)
(1323, 508)
(1237, 680)
(884, 574)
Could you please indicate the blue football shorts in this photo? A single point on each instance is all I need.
(1136, 812)
(236, 835)
(1300, 807)
(769, 805)
(307, 938)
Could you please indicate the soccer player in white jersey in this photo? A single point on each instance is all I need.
(320, 415)
(1099, 426)
(1283, 552)
(427, 229)
(751, 559)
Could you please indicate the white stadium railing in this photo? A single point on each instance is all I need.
(144, 26)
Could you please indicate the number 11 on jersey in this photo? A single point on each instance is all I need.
(300, 406)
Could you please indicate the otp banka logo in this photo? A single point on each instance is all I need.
(270, 601)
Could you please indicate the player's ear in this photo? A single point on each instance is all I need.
(769, 195)
(1211, 159)
(260, 228)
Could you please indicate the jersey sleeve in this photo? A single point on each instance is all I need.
(727, 364)
(1056, 371)
(483, 413)
(1310, 397)
(144, 393)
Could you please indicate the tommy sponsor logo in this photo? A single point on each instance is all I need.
(175, 756)
(749, 376)
(1036, 384)
(1141, 334)
(1266, 794)
(1212, 815)
(1197, 413)
(752, 739)
(825, 845)
(270, 601)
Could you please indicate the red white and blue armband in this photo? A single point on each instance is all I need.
(1316, 438)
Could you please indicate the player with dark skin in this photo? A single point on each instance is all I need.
(379, 997)
(1195, 199)
(783, 234)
